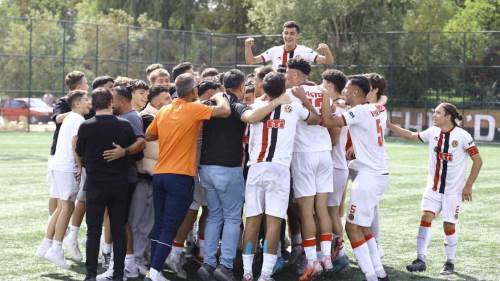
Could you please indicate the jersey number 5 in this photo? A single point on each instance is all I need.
(380, 133)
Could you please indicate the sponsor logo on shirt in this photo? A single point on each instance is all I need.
(275, 124)
(454, 143)
(352, 114)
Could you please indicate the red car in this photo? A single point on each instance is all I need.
(17, 110)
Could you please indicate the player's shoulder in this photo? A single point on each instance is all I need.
(461, 132)
(302, 48)
(275, 49)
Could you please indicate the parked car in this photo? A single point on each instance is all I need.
(17, 110)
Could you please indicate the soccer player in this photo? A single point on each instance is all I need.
(449, 146)
(260, 72)
(159, 77)
(268, 183)
(139, 94)
(311, 171)
(366, 123)
(65, 171)
(151, 68)
(103, 81)
(280, 55)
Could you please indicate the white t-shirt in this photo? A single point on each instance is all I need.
(448, 158)
(311, 138)
(338, 150)
(63, 159)
(279, 57)
(367, 123)
(272, 139)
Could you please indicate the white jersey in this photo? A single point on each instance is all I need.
(279, 57)
(311, 138)
(63, 159)
(338, 150)
(448, 158)
(272, 139)
(367, 123)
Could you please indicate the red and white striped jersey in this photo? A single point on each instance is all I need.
(311, 138)
(366, 123)
(339, 150)
(448, 158)
(279, 57)
(272, 139)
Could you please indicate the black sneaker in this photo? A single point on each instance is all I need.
(448, 268)
(386, 278)
(206, 272)
(222, 273)
(416, 265)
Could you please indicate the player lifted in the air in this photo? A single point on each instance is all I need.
(449, 146)
(279, 55)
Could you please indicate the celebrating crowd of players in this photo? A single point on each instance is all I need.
(141, 159)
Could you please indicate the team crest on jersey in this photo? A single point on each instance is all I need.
(454, 143)
(288, 108)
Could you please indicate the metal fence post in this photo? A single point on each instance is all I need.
(211, 47)
(127, 52)
(63, 56)
(30, 72)
(427, 73)
(184, 41)
(235, 51)
(464, 74)
(96, 50)
(157, 55)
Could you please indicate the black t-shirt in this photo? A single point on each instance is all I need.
(62, 107)
(97, 135)
(222, 137)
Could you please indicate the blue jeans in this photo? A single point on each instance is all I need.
(172, 195)
(225, 191)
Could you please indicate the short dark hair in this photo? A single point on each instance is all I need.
(74, 97)
(153, 67)
(292, 24)
(361, 81)
(101, 81)
(233, 79)
(206, 85)
(301, 64)
(123, 91)
(260, 72)
(209, 72)
(73, 78)
(139, 84)
(184, 84)
(122, 81)
(377, 81)
(156, 90)
(274, 84)
(101, 98)
(250, 88)
(336, 77)
(181, 68)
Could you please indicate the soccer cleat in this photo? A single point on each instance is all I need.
(175, 263)
(72, 249)
(340, 263)
(247, 277)
(206, 272)
(43, 248)
(279, 265)
(326, 263)
(416, 265)
(311, 271)
(448, 268)
(56, 255)
(221, 273)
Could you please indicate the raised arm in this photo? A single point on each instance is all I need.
(263, 109)
(249, 57)
(328, 120)
(325, 55)
(406, 134)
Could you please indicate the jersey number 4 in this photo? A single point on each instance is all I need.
(380, 133)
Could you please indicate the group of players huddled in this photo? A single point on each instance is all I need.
(141, 159)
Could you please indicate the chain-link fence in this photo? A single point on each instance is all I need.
(422, 69)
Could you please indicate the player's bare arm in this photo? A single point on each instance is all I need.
(221, 109)
(477, 162)
(119, 152)
(314, 118)
(327, 108)
(406, 134)
(325, 55)
(60, 117)
(249, 57)
(78, 162)
(256, 114)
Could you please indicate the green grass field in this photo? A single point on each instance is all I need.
(23, 215)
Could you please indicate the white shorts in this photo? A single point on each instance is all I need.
(267, 190)
(199, 197)
(82, 194)
(312, 173)
(367, 190)
(448, 205)
(339, 183)
(64, 186)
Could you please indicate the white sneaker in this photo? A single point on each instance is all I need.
(159, 277)
(143, 269)
(175, 263)
(131, 269)
(56, 255)
(108, 275)
(43, 248)
(73, 249)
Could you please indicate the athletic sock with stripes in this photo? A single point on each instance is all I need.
(423, 239)
(362, 253)
(450, 245)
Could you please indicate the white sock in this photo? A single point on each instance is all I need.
(73, 232)
(319, 255)
(56, 243)
(362, 253)
(423, 239)
(153, 274)
(375, 257)
(310, 250)
(450, 246)
(107, 248)
(247, 264)
(375, 227)
(268, 264)
(47, 241)
(326, 244)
